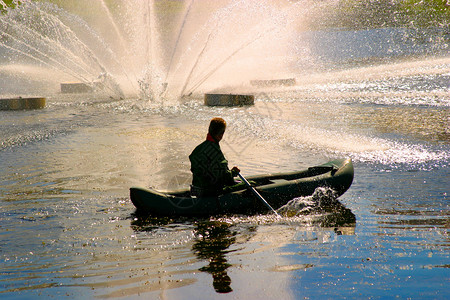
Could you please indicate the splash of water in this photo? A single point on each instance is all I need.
(322, 198)
(153, 48)
(43, 35)
(166, 49)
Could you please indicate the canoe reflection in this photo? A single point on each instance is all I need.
(212, 241)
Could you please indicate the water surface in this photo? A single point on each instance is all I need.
(68, 227)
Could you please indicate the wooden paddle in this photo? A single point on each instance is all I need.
(258, 195)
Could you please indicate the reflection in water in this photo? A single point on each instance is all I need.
(213, 238)
(212, 241)
(142, 222)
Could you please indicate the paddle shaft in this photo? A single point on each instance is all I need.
(258, 195)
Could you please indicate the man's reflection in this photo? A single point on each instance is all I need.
(212, 240)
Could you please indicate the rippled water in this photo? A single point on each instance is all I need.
(68, 227)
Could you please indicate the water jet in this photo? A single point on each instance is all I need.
(157, 49)
(163, 50)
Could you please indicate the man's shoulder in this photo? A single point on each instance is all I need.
(206, 144)
(205, 147)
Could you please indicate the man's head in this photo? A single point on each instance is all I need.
(217, 128)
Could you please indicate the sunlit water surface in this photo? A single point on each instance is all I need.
(68, 227)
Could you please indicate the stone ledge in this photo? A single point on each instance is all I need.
(229, 100)
(274, 82)
(22, 103)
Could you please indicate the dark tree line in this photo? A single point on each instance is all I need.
(4, 4)
(362, 14)
(356, 14)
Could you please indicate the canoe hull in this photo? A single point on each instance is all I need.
(277, 189)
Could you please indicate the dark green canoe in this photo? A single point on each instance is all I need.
(277, 189)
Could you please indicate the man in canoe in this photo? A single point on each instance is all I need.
(209, 167)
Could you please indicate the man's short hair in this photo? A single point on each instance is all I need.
(217, 126)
